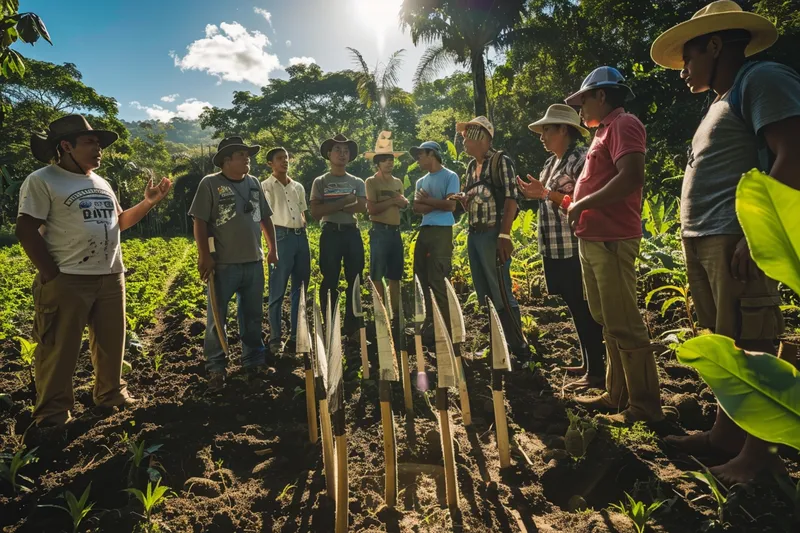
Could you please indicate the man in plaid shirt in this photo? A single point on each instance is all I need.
(490, 199)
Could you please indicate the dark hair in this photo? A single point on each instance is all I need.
(380, 158)
(435, 154)
(272, 153)
(574, 134)
(738, 38)
(71, 139)
(615, 96)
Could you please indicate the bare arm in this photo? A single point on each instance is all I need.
(376, 208)
(205, 263)
(320, 209)
(422, 208)
(35, 248)
(441, 205)
(509, 213)
(629, 178)
(131, 217)
(268, 229)
(359, 207)
(783, 141)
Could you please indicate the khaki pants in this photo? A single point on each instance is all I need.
(609, 279)
(741, 311)
(63, 308)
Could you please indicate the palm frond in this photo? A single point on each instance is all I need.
(358, 59)
(432, 61)
(391, 72)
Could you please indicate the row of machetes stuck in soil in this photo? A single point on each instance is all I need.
(321, 350)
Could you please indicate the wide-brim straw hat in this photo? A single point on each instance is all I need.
(481, 121)
(383, 146)
(229, 145)
(558, 114)
(327, 145)
(667, 49)
(44, 144)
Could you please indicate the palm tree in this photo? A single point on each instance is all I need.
(377, 87)
(460, 31)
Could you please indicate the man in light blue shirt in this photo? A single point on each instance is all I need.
(433, 252)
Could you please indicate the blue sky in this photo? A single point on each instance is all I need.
(170, 57)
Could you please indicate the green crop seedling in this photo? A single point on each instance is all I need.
(12, 464)
(637, 511)
(152, 498)
(77, 509)
(580, 434)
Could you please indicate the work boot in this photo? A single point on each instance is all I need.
(615, 396)
(641, 376)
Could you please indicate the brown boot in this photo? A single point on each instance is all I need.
(616, 395)
(641, 375)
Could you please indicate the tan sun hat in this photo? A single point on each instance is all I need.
(667, 49)
(481, 121)
(383, 146)
(559, 114)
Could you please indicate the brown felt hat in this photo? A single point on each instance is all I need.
(44, 144)
(327, 145)
(228, 145)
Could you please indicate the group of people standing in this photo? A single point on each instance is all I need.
(589, 231)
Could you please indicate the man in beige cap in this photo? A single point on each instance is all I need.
(753, 122)
(69, 224)
(385, 199)
(490, 199)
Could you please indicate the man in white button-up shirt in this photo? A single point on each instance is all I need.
(287, 198)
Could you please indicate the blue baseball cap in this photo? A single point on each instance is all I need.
(599, 78)
(427, 145)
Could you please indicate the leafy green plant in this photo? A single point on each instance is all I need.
(12, 464)
(26, 350)
(138, 453)
(76, 508)
(285, 493)
(637, 434)
(152, 498)
(637, 511)
(659, 214)
(580, 434)
(677, 288)
(760, 392)
(720, 499)
(157, 359)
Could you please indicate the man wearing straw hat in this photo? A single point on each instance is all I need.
(560, 131)
(230, 207)
(490, 198)
(336, 197)
(753, 122)
(69, 223)
(287, 199)
(385, 199)
(607, 218)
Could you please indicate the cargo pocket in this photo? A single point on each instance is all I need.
(761, 318)
(44, 324)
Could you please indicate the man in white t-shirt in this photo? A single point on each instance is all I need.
(69, 224)
(287, 198)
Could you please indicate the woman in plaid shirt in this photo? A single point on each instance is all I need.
(560, 131)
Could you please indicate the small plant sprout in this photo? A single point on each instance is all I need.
(285, 493)
(78, 509)
(12, 464)
(157, 360)
(580, 434)
(139, 452)
(151, 499)
(722, 500)
(26, 350)
(637, 511)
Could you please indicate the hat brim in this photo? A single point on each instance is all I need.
(462, 126)
(371, 155)
(538, 126)
(416, 150)
(227, 150)
(326, 147)
(575, 99)
(667, 49)
(44, 148)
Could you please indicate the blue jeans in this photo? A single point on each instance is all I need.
(294, 261)
(385, 253)
(482, 249)
(246, 281)
(338, 245)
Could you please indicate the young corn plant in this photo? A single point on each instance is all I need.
(580, 434)
(152, 498)
(637, 511)
(138, 453)
(721, 500)
(10, 465)
(77, 509)
(678, 290)
(26, 350)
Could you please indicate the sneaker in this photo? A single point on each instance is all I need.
(216, 382)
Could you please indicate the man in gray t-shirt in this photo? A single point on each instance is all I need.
(230, 211)
(753, 120)
(336, 198)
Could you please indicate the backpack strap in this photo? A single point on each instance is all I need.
(765, 157)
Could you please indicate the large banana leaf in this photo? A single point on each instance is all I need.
(760, 392)
(769, 213)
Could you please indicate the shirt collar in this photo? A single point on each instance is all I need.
(611, 117)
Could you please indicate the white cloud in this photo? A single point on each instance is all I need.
(288, 44)
(264, 13)
(190, 109)
(301, 61)
(170, 98)
(230, 53)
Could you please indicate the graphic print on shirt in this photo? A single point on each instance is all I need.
(334, 191)
(227, 205)
(97, 207)
(254, 201)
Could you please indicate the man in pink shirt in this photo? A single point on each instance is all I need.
(606, 216)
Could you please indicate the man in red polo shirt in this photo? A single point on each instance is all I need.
(606, 216)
